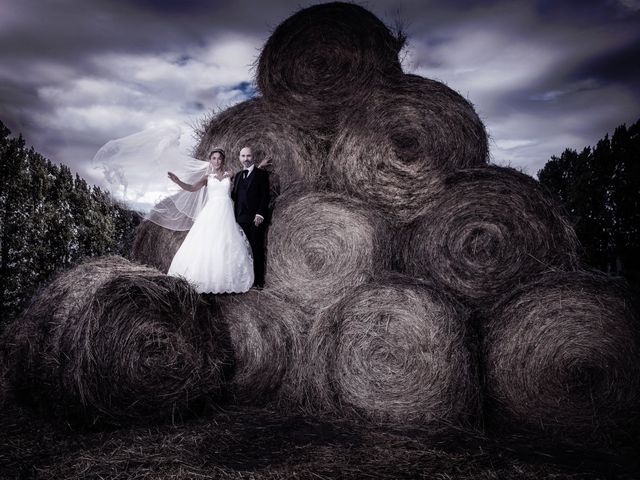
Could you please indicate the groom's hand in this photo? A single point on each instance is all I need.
(258, 220)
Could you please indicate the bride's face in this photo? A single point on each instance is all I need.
(216, 161)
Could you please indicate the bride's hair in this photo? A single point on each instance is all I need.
(219, 150)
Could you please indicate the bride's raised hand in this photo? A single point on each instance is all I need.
(172, 176)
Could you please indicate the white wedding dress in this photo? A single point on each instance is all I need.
(215, 255)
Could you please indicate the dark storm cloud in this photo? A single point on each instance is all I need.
(183, 7)
(20, 108)
(579, 11)
(616, 65)
(67, 31)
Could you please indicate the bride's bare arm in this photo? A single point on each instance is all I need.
(187, 186)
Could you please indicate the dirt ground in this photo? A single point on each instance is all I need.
(260, 443)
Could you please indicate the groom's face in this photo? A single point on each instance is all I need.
(246, 157)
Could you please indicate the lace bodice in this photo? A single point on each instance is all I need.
(218, 188)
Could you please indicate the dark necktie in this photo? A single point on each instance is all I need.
(245, 174)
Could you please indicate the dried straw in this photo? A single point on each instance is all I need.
(4, 374)
(111, 341)
(156, 246)
(490, 229)
(396, 352)
(325, 58)
(562, 356)
(272, 133)
(321, 243)
(395, 148)
(266, 335)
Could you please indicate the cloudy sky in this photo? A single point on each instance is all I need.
(544, 75)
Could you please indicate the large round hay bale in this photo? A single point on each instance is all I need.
(115, 342)
(325, 58)
(394, 149)
(491, 228)
(396, 352)
(321, 243)
(272, 133)
(562, 356)
(156, 246)
(266, 334)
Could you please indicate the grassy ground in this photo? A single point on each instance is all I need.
(252, 443)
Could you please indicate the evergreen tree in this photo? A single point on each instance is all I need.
(625, 198)
(49, 219)
(14, 217)
(601, 190)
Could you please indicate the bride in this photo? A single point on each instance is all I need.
(215, 255)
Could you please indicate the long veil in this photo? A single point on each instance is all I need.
(135, 169)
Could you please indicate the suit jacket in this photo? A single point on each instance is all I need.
(251, 198)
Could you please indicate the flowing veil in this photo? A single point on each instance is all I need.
(135, 169)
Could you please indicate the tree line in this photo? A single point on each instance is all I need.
(600, 187)
(49, 220)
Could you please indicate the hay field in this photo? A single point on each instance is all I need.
(259, 443)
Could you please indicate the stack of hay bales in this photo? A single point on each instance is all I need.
(114, 342)
(408, 282)
(405, 188)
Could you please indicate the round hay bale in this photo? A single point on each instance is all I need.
(266, 335)
(272, 133)
(394, 149)
(562, 356)
(491, 228)
(115, 342)
(394, 352)
(325, 58)
(321, 243)
(156, 246)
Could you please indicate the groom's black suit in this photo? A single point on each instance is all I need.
(250, 198)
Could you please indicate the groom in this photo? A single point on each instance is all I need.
(251, 200)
